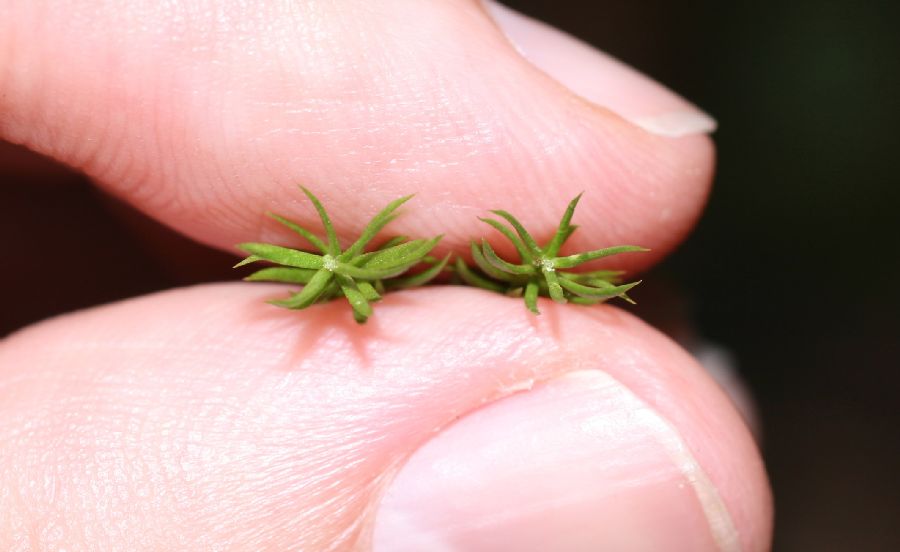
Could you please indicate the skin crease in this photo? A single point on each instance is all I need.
(170, 411)
(208, 117)
(201, 418)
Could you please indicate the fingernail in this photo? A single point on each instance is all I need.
(599, 78)
(578, 463)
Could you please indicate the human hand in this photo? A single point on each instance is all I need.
(202, 418)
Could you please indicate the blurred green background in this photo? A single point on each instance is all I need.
(793, 267)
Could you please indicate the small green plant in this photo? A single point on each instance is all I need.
(540, 270)
(360, 276)
(363, 276)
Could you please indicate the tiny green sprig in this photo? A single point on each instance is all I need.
(362, 277)
(541, 270)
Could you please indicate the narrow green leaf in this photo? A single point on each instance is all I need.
(282, 274)
(306, 234)
(563, 232)
(334, 247)
(524, 254)
(379, 287)
(569, 232)
(371, 274)
(359, 318)
(361, 260)
(419, 279)
(578, 300)
(487, 267)
(368, 291)
(282, 255)
(404, 254)
(378, 222)
(468, 276)
(308, 295)
(500, 264)
(611, 276)
(531, 295)
(358, 246)
(601, 285)
(396, 240)
(553, 285)
(361, 307)
(520, 230)
(331, 291)
(248, 260)
(596, 292)
(575, 260)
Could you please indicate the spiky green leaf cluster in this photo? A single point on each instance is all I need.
(540, 270)
(329, 273)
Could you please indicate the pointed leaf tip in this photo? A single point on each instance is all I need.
(246, 261)
(531, 294)
(333, 245)
(579, 258)
(468, 276)
(306, 234)
(421, 278)
(491, 256)
(527, 240)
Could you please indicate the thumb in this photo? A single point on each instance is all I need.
(207, 114)
(454, 420)
(600, 78)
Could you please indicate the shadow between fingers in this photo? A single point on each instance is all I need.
(327, 326)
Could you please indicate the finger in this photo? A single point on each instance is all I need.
(201, 418)
(20, 164)
(601, 78)
(207, 117)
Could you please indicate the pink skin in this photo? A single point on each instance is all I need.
(206, 126)
(201, 418)
(204, 416)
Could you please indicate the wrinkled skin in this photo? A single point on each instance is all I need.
(203, 419)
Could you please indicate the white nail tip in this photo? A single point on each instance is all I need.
(677, 124)
(720, 523)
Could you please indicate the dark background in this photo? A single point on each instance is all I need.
(795, 263)
(794, 266)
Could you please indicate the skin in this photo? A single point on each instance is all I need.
(201, 418)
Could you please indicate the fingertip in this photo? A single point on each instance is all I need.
(577, 463)
(599, 78)
(470, 126)
(324, 411)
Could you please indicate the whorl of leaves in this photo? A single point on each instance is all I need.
(329, 273)
(540, 271)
